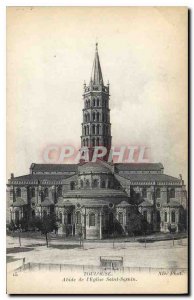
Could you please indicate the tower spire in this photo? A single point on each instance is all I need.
(96, 76)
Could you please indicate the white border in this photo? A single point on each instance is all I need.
(3, 4)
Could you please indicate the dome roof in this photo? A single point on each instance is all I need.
(95, 167)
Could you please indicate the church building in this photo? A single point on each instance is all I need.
(97, 199)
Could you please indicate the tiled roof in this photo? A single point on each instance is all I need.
(151, 178)
(19, 202)
(39, 177)
(93, 193)
(53, 167)
(146, 203)
(47, 202)
(94, 167)
(138, 166)
(123, 204)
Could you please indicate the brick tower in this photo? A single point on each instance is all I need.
(96, 126)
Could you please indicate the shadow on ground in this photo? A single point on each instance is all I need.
(62, 247)
(18, 249)
(10, 259)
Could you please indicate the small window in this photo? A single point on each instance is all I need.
(69, 218)
(172, 193)
(92, 219)
(103, 185)
(78, 218)
(145, 215)
(72, 185)
(165, 216)
(18, 192)
(120, 218)
(144, 193)
(46, 192)
(173, 216)
(33, 192)
(60, 218)
(59, 191)
(158, 193)
(95, 183)
(87, 183)
(17, 216)
(81, 183)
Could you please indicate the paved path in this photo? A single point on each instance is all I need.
(156, 255)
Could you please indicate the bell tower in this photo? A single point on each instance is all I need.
(96, 126)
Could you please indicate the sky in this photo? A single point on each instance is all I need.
(143, 54)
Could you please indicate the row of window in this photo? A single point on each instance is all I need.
(95, 102)
(158, 216)
(95, 183)
(96, 117)
(95, 142)
(171, 193)
(95, 129)
(45, 191)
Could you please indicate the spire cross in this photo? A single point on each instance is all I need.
(96, 46)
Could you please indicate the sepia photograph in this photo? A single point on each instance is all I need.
(97, 150)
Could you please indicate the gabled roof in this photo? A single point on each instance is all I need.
(53, 167)
(39, 178)
(151, 178)
(19, 202)
(138, 166)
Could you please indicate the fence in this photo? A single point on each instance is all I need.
(67, 267)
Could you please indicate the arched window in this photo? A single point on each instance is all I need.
(72, 185)
(97, 142)
(88, 132)
(17, 216)
(88, 118)
(85, 117)
(144, 193)
(92, 219)
(94, 102)
(18, 192)
(88, 103)
(172, 193)
(60, 217)
(158, 216)
(158, 193)
(85, 128)
(111, 218)
(33, 213)
(87, 142)
(95, 183)
(103, 185)
(145, 214)
(93, 116)
(97, 116)
(84, 143)
(78, 218)
(98, 129)
(98, 102)
(87, 183)
(93, 129)
(173, 216)
(93, 142)
(69, 218)
(120, 218)
(102, 117)
(81, 183)
(165, 216)
(59, 191)
(109, 184)
(33, 192)
(46, 192)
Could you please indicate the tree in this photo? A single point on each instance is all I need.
(46, 224)
(137, 224)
